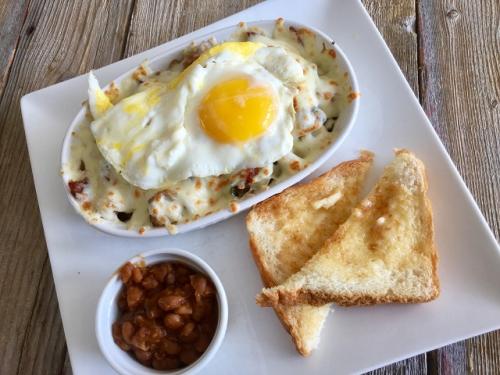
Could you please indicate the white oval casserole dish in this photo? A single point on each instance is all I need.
(343, 126)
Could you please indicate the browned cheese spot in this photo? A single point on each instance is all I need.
(295, 165)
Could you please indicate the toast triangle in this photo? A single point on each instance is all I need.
(287, 229)
(384, 252)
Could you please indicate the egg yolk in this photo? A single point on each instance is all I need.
(237, 110)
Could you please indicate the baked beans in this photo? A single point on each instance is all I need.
(168, 314)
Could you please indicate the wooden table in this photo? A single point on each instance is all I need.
(448, 50)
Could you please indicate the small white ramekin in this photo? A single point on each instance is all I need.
(107, 312)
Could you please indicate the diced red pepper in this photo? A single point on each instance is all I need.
(76, 187)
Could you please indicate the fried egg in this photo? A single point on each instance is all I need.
(229, 110)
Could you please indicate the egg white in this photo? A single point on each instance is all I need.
(153, 137)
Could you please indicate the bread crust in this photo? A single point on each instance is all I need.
(316, 298)
(300, 345)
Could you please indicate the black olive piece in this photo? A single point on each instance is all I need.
(270, 182)
(82, 165)
(123, 216)
(237, 192)
(330, 123)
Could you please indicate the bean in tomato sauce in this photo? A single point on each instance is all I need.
(168, 314)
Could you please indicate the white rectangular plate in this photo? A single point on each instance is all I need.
(353, 340)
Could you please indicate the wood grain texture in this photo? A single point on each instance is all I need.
(397, 24)
(459, 83)
(483, 354)
(59, 39)
(67, 370)
(460, 91)
(155, 21)
(448, 50)
(449, 360)
(44, 348)
(12, 16)
(411, 366)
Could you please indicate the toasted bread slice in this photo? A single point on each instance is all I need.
(287, 229)
(384, 252)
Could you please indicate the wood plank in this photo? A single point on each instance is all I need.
(412, 366)
(459, 57)
(450, 360)
(44, 349)
(67, 370)
(482, 354)
(12, 16)
(460, 89)
(58, 40)
(155, 22)
(397, 24)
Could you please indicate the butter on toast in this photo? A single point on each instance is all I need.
(384, 252)
(287, 229)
